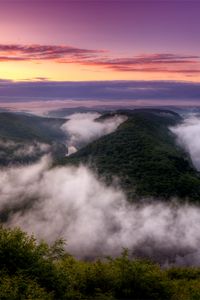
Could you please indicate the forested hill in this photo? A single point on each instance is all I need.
(25, 138)
(144, 155)
(29, 127)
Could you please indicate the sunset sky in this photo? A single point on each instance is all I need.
(47, 42)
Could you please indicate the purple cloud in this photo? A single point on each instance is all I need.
(118, 91)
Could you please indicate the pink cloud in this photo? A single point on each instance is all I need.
(154, 63)
(43, 52)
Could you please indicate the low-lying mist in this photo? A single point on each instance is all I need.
(188, 136)
(82, 128)
(12, 151)
(95, 219)
(24, 148)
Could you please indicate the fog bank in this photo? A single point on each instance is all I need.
(188, 136)
(83, 128)
(96, 219)
(11, 150)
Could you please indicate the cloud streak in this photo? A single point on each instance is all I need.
(17, 52)
(153, 63)
(150, 63)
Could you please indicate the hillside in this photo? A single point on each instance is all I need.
(24, 138)
(16, 126)
(144, 155)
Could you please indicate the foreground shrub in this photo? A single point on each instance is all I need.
(31, 270)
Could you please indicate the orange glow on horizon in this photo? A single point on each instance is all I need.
(29, 70)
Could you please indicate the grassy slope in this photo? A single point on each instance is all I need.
(144, 155)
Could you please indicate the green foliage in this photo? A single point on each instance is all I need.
(144, 155)
(21, 255)
(19, 287)
(31, 270)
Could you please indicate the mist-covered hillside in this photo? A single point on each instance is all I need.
(67, 177)
(19, 126)
(144, 155)
(136, 148)
(25, 138)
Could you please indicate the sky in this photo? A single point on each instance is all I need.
(48, 42)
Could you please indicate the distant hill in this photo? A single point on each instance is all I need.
(24, 138)
(64, 112)
(144, 155)
(24, 127)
